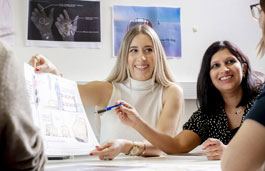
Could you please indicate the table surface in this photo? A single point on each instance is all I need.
(183, 162)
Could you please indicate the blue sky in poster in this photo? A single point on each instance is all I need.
(165, 21)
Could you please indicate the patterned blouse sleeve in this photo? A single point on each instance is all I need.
(197, 123)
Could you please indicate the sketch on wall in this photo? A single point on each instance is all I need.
(6, 24)
(64, 23)
(165, 21)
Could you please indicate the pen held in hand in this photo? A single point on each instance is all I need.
(108, 108)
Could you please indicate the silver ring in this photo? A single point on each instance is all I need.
(106, 157)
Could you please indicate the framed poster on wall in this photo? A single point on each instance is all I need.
(64, 23)
(164, 20)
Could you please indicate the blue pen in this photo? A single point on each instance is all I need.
(108, 108)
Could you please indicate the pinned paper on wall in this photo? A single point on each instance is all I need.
(64, 23)
(6, 24)
(165, 21)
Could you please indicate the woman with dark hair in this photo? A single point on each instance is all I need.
(246, 151)
(226, 90)
(206, 92)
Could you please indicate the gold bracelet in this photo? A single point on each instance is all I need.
(130, 149)
(134, 150)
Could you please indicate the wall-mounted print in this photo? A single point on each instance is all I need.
(6, 24)
(166, 21)
(64, 23)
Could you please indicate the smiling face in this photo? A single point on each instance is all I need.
(226, 71)
(141, 58)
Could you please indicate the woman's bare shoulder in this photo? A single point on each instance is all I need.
(173, 90)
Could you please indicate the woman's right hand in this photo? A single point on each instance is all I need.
(128, 114)
(42, 64)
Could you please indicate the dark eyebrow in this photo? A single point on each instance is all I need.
(231, 57)
(227, 58)
(214, 62)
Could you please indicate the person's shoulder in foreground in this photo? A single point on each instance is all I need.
(257, 112)
(246, 151)
(21, 147)
(249, 141)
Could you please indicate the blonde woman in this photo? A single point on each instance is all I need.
(140, 76)
(246, 151)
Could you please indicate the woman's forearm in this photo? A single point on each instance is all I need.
(151, 151)
(145, 148)
(160, 140)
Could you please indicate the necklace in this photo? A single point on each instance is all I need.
(238, 111)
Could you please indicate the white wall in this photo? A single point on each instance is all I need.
(215, 20)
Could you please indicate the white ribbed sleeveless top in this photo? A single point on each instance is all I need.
(143, 96)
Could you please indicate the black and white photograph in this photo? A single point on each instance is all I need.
(64, 23)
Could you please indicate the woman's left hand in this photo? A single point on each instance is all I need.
(214, 148)
(109, 150)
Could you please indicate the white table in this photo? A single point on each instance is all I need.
(184, 162)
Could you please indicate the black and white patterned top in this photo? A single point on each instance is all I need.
(215, 125)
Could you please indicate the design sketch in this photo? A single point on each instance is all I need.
(65, 131)
(80, 130)
(51, 130)
(59, 113)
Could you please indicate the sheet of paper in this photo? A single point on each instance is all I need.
(58, 112)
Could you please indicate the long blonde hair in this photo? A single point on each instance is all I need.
(161, 74)
(261, 45)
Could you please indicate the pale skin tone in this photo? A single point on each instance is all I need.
(226, 76)
(141, 61)
(245, 152)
